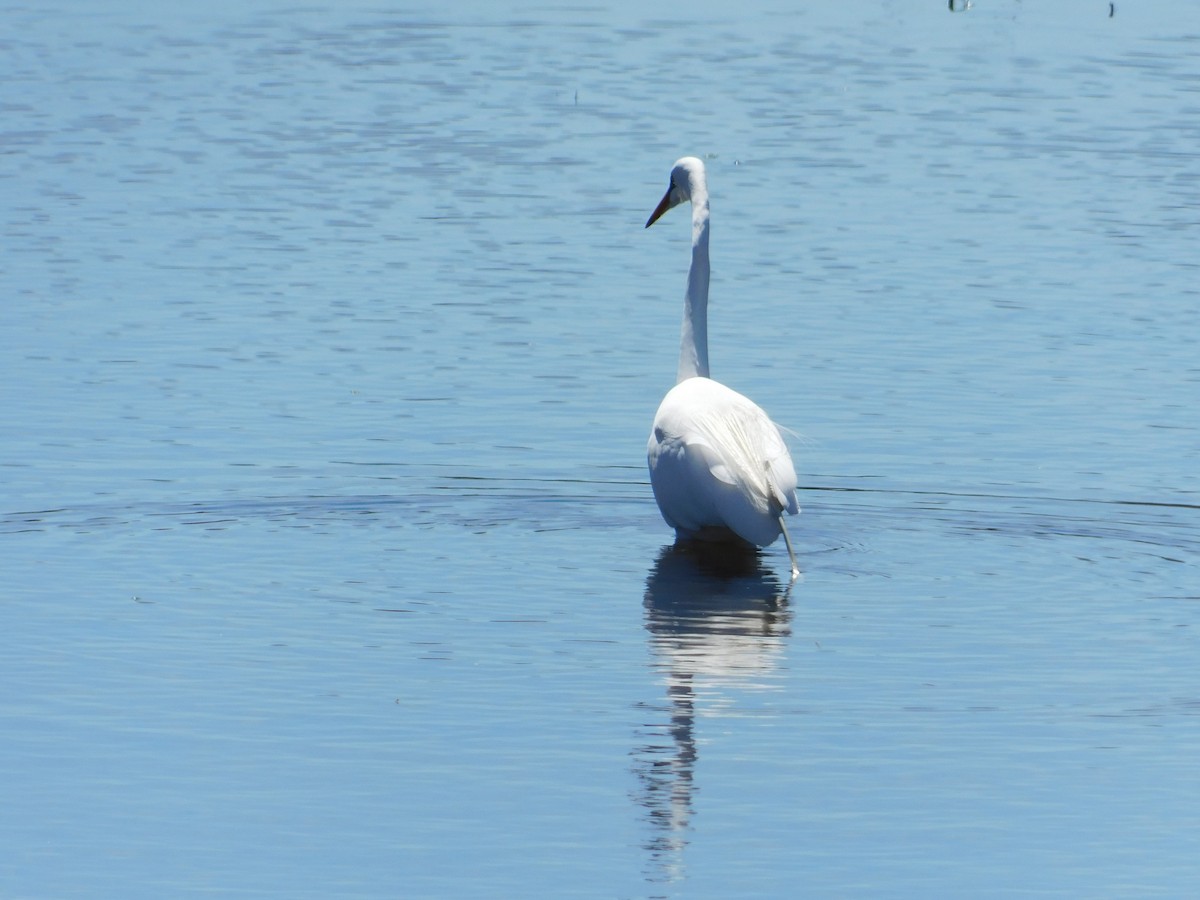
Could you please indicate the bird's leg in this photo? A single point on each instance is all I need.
(791, 553)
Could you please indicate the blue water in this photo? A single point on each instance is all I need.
(332, 340)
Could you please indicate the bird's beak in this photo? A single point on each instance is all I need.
(662, 207)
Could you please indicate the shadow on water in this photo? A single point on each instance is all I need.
(718, 617)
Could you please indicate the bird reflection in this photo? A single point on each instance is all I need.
(718, 619)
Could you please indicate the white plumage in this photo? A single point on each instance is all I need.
(718, 464)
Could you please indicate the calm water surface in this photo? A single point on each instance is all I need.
(332, 340)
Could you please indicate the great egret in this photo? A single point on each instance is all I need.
(718, 464)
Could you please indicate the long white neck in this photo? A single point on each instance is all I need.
(693, 343)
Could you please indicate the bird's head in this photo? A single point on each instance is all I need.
(687, 176)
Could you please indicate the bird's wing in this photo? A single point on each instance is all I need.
(746, 450)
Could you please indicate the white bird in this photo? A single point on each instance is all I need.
(718, 464)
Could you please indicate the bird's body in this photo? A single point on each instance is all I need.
(718, 463)
(719, 467)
